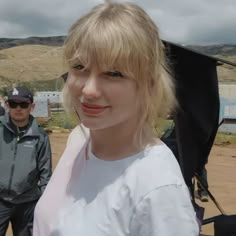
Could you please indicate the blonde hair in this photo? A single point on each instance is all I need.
(124, 36)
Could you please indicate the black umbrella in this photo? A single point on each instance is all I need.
(196, 121)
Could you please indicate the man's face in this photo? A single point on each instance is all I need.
(19, 111)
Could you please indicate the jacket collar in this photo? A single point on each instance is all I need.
(32, 128)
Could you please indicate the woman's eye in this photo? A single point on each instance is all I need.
(79, 67)
(114, 74)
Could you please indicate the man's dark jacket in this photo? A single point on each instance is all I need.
(25, 161)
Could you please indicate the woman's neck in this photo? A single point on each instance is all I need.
(114, 144)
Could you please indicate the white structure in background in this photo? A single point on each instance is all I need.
(52, 96)
(227, 93)
(42, 108)
(45, 103)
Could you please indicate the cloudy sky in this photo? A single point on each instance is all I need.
(200, 22)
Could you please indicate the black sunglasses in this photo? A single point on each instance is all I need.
(23, 105)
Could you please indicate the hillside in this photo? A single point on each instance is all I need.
(38, 61)
(227, 73)
(30, 63)
(222, 49)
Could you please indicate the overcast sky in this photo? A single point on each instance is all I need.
(200, 22)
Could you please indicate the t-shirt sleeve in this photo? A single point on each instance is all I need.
(165, 211)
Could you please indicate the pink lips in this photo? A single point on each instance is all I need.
(92, 109)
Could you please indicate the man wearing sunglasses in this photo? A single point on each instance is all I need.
(25, 163)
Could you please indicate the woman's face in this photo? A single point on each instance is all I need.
(103, 99)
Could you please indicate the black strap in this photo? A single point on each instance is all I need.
(210, 195)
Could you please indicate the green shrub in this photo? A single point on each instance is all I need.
(63, 120)
(225, 138)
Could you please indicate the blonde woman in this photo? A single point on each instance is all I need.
(116, 177)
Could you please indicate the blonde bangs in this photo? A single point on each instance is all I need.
(106, 45)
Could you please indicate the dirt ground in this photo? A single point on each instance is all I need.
(221, 176)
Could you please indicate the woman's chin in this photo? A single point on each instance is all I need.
(94, 125)
(90, 125)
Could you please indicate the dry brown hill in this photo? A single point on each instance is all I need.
(227, 73)
(30, 63)
(220, 49)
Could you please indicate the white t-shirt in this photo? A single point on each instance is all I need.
(141, 195)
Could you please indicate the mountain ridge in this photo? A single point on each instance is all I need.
(47, 41)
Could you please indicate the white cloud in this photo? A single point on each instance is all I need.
(183, 21)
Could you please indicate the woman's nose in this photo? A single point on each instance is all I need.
(91, 87)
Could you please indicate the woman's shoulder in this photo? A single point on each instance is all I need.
(160, 158)
(156, 169)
